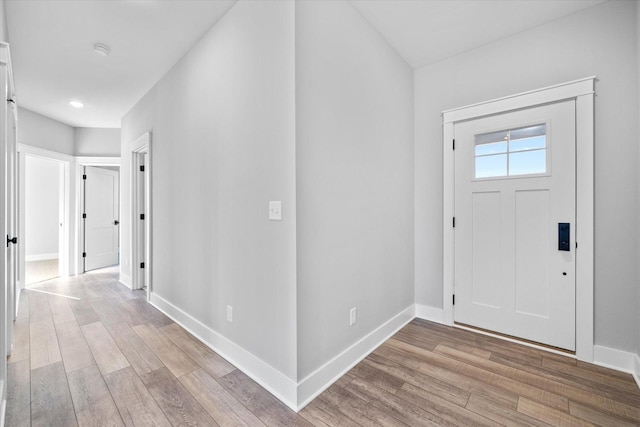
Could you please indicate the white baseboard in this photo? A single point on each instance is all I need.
(636, 369)
(41, 257)
(615, 359)
(125, 280)
(261, 372)
(318, 381)
(294, 395)
(426, 312)
(3, 412)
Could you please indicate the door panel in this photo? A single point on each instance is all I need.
(514, 182)
(102, 210)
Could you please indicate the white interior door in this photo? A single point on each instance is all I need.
(514, 190)
(101, 223)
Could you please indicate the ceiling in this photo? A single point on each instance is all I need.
(54, 62)
(53, 58)
(427, 31)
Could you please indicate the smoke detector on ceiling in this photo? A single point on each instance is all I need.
(101, 49)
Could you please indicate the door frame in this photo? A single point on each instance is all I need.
(583, 92)
(138, 148)
(64, 245)
(80, 163)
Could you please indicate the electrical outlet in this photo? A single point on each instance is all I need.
(275, 211)
(353, 316)
(229, 314)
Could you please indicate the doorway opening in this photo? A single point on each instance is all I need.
(43, 181)
(100, 217)
(141, 213)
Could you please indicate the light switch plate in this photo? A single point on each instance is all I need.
(275, 210)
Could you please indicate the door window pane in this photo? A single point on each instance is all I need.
(488, 166)
(535, 143)
(520, 151)
(527, 162)
(491, 148)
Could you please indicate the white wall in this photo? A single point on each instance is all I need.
(354, 148)
(39, 131)
(223, 138)
(42, 184)
(638, 287)
(598, 41)
(99, 142)
(4, 31)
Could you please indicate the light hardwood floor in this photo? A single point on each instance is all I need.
(108, 358)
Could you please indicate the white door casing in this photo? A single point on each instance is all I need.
(101, 201)
(510, 276)
(141, 203)
(582, 91)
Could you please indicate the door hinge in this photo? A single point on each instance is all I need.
(142, 265)
(454, 299)
(84, 176)
(141, 168)
(454, 144)
(454, 222)
(141, 216)
(84, 254)
(84, 216)
(576, 245)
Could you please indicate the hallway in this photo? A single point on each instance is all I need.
(103, 356)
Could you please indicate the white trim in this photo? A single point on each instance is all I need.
(41, 257)
(432, 314)
(614, 359)
(124, 282)
(582, 91)
(319, 380)
(65, 248)
(141, 145)
(3, 412)
(97, 161)
(545, 95)
(636, 369)
(46, 154)
(278, 384)
(295, 395)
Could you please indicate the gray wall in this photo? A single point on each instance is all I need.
(638, 56)
(40, 131)
(101, 142)
(4, 30)
(223, 138)
(42, 203)
(354, 147)
(599, 41)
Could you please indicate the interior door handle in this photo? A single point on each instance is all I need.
(116, 222)
(564, 236)
(14, 241)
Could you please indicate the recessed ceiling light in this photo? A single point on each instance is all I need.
(101, 49)
(76, 104)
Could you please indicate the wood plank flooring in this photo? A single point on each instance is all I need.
(105, 357)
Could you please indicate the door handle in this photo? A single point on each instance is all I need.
(14, 241)
(116, 222)
(564, 236)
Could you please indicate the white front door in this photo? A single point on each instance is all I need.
(101, 223)
(515, 224)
